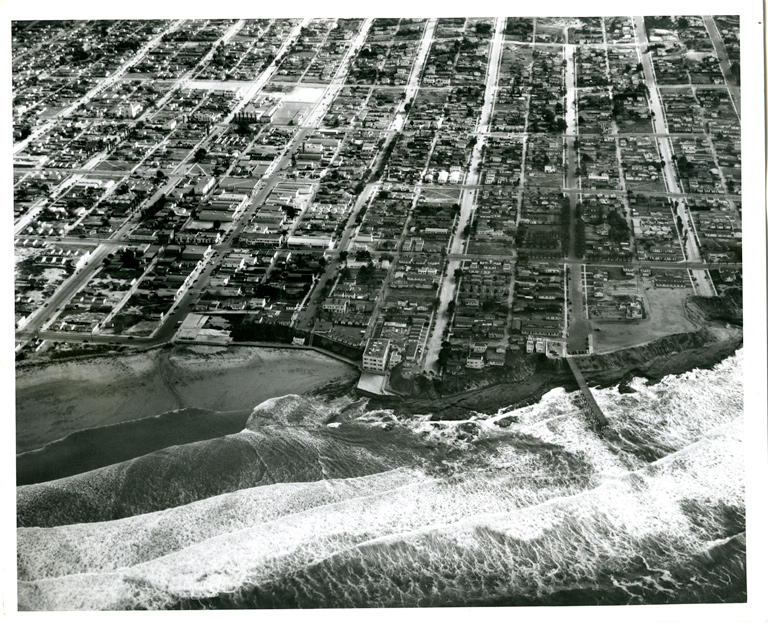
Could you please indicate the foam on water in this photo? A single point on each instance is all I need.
(262, 454)
(577, 535)
(91, 548)
(542, 511)
(295, 410)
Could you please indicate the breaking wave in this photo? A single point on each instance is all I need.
(329, 504)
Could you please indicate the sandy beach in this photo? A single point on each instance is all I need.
(59, 398)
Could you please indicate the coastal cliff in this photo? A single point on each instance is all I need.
(455, 397)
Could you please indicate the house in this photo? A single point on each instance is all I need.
(337, 305)
(496, 358)
(475, 362)
(195, 252)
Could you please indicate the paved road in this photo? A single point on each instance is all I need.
(702, 283)
(448, 287)
(63, 293)
(332, 89)
(725, 63)
(492, 76)
(305, 316)
(577, 326)
(259, 195)
(415, 76)
(604, 191)
(265, 186)
(467, 203)
(77, 280)
(103, 84)
(31, 214)
(185, 303)
(68, 32)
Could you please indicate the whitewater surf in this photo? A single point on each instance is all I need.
(325, 503)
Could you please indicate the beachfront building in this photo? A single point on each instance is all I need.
(376, 355)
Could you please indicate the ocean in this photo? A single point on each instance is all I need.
(321, 503)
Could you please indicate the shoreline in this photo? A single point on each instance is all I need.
(506, 387)
(510, 389)
(56, 399)
(67, 408)
(718, 335)
(93, 447)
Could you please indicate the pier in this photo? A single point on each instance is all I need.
(597, 416)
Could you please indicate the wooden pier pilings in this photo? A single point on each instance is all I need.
(598, 419)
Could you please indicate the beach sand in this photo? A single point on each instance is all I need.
(59, 398)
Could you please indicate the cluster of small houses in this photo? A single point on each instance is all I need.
(655, 232)
(388, 53)
(386, 213)
(502, 161)
(58, 261)
(701, 174)
(49, 77)
(245, 56)
(283, 244)
(182, 48)
(599, 161)
(540, 224)
(459, 54)
(673, 62)
(495, 218)
(601, 241)
(640, 161)
(319, 50)
(718, 228)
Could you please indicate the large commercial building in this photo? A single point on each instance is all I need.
(376, 355)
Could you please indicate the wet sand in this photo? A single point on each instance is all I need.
(56, 399)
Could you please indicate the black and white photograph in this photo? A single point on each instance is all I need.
(417, 311)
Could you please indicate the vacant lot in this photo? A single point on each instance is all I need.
(666, 315)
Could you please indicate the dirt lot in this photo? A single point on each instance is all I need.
(666, 315)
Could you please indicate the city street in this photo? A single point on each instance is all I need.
(725, 64)
(702, 282)
(458, 245)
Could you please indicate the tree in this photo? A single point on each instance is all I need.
(200, 153)
(444, 355)
(242, 127)
(488, 305)
(365, 274)
(736, 70)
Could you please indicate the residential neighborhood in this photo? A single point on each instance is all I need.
(418, 196)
